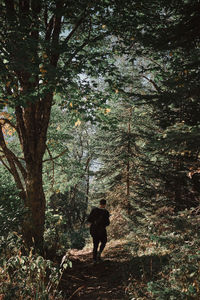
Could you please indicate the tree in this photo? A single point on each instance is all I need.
(173, 41)
(166, 38)
(45, 46)
(69, 173)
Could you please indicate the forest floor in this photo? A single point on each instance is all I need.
(105, 280)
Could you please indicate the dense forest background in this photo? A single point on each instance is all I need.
(99, 100)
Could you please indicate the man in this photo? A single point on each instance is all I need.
(99, 219)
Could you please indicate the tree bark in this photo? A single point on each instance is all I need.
(33, 227)
(32, 124)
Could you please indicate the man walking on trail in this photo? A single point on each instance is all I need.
(99, 219)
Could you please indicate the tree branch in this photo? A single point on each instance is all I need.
(155, 62)
(20, 126)
(79, 22)
(12, 159)
(86, 42)
(56, 33)
(5, 165)
(59, 155)
(6, 121)
(153, 83)
(49, 29)
(51, 158)
(7, 152)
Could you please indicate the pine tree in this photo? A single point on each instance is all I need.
(167, 39)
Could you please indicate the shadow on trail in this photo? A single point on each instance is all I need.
(110, 278)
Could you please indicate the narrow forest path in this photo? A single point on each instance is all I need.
(102, 281)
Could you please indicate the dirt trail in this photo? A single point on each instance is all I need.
(103, 281)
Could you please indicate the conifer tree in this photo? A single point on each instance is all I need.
(167, 38)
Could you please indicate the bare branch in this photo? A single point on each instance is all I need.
(5, 165)
(76, 291)
(51, 158)
(49, 29)
(85, 43)
(12, 159)
(155, 62)
(46, 15)
(79, 22)
(7, 152)
(87, 163)
(152, 82)
(59, 155)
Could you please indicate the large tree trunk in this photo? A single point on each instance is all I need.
(30, 77)
(30, 73)
(32, 124)
(33, 227)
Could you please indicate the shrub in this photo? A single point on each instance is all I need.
(177, 236)
(11, 208)
(29, 276)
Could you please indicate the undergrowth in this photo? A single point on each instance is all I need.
(167, 256)
(24, 275)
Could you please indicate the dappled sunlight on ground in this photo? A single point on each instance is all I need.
(104, 280)
(114, 244)
(120, 275)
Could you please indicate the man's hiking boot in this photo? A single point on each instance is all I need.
(99, 256)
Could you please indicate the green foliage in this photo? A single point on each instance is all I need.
(11, 207)
(172, 69)
(166, 256)
(81, 48)
(66, 180)
(23, 275)
(144, 108)
(122, 149)
(65, 218)
(29, 276)
(69, 154)
(181, 277)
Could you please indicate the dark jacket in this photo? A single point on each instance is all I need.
(99, 219)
